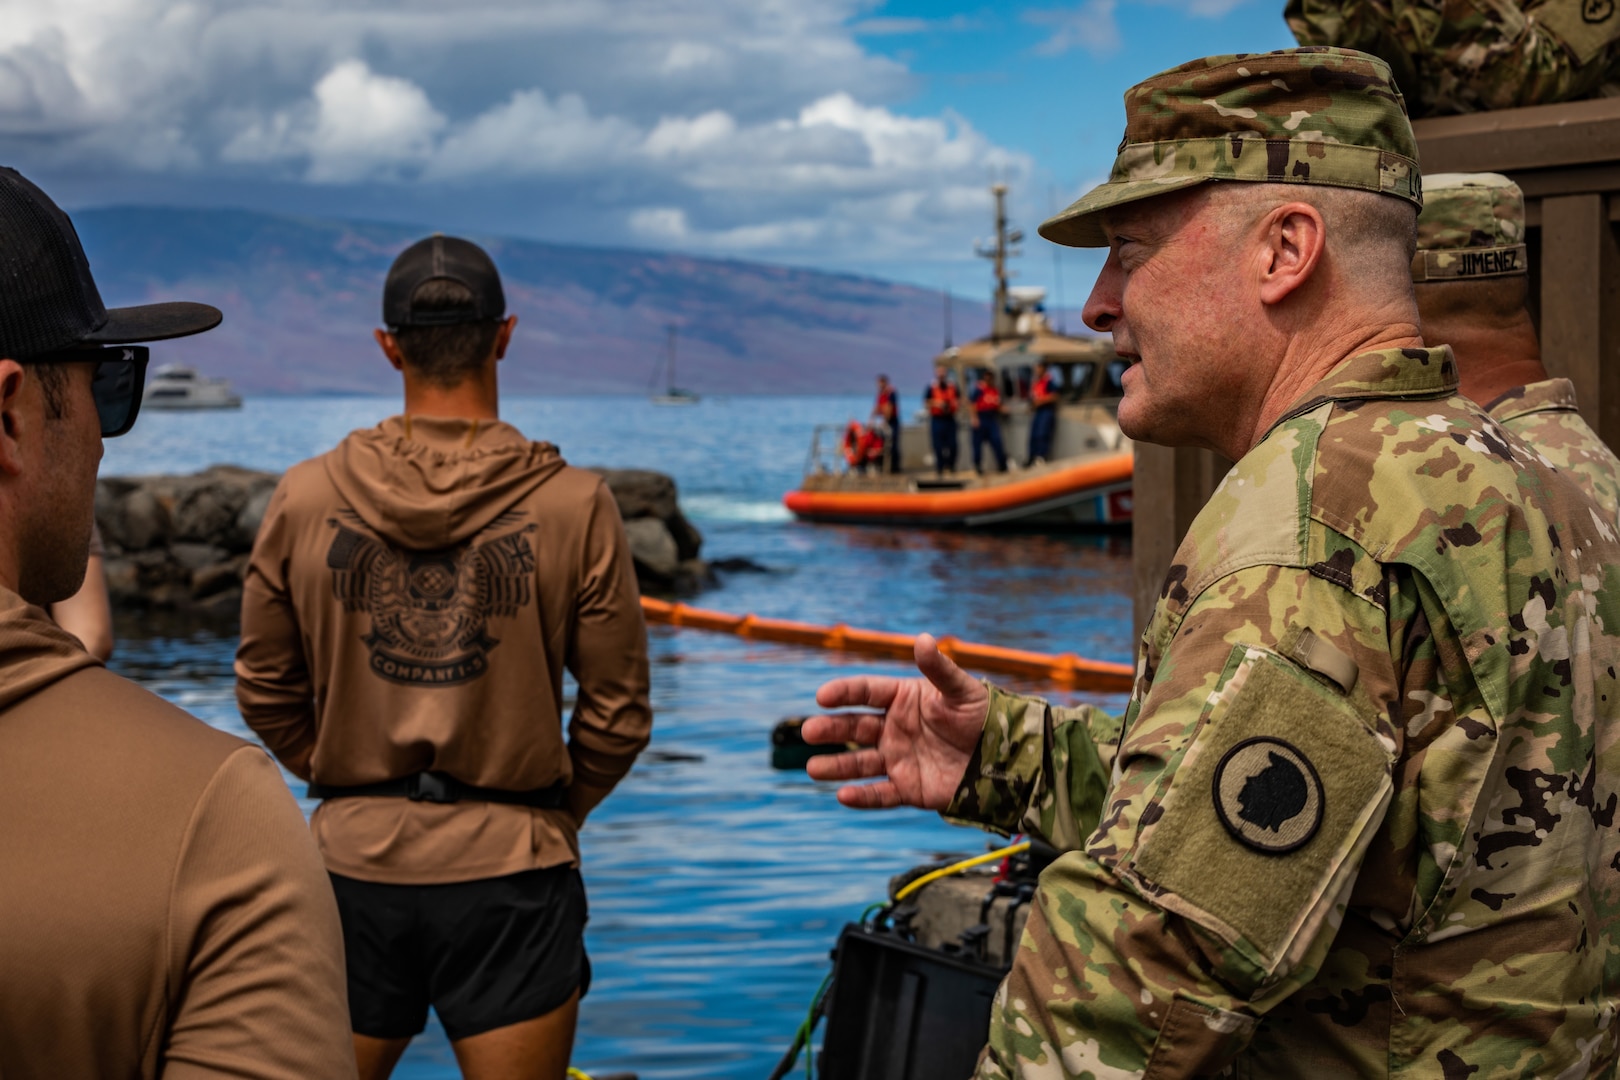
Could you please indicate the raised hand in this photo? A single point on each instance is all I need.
(921, 743)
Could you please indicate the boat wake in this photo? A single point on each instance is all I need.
(733, 508)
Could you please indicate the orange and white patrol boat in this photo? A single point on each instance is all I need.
(1085, 480)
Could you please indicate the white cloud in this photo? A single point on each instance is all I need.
(1205, 9)
(356, 125)
(1091, 27)
(365, 122)
(665, 224)
(532, 135)
(690, 55)
(731, 125)
(36, 92)
(835, 146)
(680, 136)
(1094, 25)
(897, 141)
(892, 25)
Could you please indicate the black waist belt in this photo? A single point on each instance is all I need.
(436, 787)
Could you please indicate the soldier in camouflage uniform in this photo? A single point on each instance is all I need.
(1470, 276)
(1359, 816)
(1460, 56)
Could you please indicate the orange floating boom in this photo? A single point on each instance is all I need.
(1065, 669)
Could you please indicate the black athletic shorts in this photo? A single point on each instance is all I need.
(484, 953)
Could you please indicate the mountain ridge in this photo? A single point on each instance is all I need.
(302, 294)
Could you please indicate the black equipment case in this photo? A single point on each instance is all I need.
(900, 1011)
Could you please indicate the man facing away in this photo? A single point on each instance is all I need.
(413, 600)
(888, 407)
(1471, 277)
(1043, 397)
(942, 400)
(1358, 819)
(164, 910)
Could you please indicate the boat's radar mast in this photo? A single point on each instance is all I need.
(1004, 319)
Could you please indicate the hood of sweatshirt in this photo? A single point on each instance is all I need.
(34, 651)
(427, 483)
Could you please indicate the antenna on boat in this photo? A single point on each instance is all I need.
(1002, 321)
(947, 298)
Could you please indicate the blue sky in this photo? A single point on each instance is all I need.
(841, 134)
(1046, 80)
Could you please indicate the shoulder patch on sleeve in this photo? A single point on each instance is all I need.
(1584, 27)
(1277, 796)
(1268, 795)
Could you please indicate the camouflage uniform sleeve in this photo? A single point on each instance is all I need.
(1470, 57)
(1039, 769)
(1503, 56)
(1246, 792)
(1334, 22)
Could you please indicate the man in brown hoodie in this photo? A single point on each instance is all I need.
(414, 598)
(162, 909)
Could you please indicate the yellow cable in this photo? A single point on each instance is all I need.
(576, 1074)
(957, 868)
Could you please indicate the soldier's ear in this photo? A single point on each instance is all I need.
(503, 337)
(1293, 237)
(390, 347)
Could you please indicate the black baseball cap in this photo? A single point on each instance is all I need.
(442, 257)
(48, 300)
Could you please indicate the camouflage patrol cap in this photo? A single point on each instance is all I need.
(1472, 226)
(1309, 116)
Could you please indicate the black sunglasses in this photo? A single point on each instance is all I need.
(117, 385)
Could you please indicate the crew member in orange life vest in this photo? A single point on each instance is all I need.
(888, 407)
(942, 400)
(987, 421)
(863, 447)
(873, 445)
(1043, 425)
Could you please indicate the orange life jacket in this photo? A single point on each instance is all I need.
(989, 399)
(942, 400)
(888, 405)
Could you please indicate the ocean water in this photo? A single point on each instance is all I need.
(717, 885)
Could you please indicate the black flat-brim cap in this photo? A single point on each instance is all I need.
(155, 322)
(48, 298)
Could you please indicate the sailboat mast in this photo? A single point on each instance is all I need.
(671, 329)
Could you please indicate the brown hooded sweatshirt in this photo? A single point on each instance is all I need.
(413, 600)
(162, 909)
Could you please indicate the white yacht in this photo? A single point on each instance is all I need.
(175, 386)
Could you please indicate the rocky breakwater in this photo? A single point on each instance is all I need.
(181, 543)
